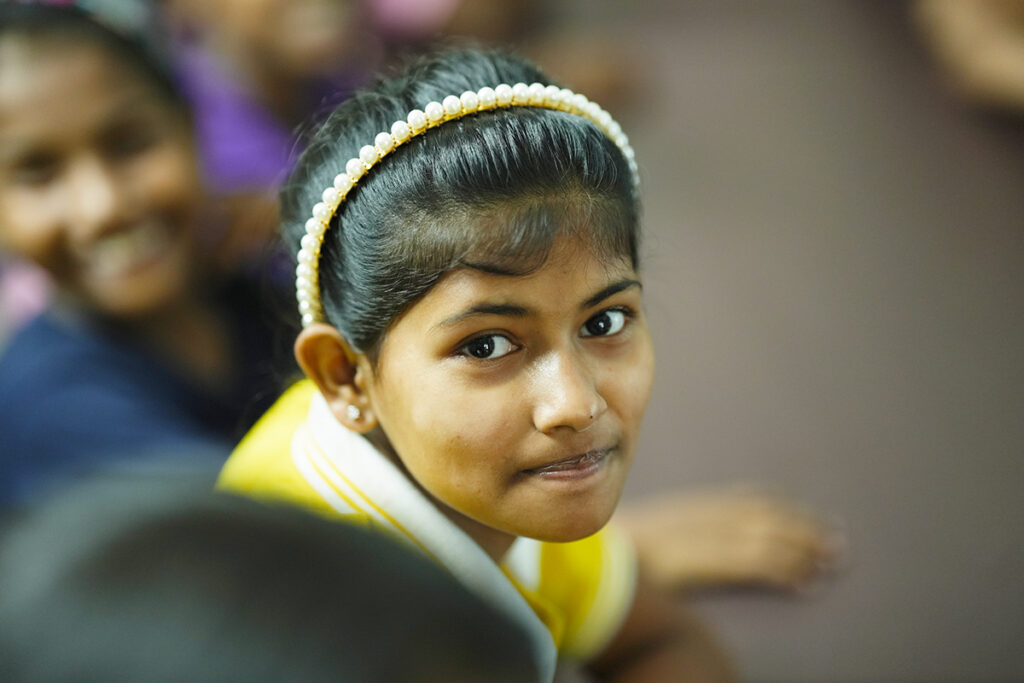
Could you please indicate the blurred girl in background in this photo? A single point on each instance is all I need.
(144, 349)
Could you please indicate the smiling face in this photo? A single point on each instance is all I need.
(98, 180)
(515, 401)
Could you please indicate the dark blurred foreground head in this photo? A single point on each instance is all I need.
(158, 580)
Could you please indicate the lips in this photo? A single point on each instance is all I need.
(127, 251)
(573, 467)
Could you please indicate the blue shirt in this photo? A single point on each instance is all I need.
(77, 396)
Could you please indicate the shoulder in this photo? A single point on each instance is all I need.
(47, 356)
(41, 344)
(261, 466)
(76, 364)
(74, 399)
(589, 583)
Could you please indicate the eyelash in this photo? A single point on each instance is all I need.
(627, 313)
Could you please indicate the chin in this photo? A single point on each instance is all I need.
(571, 525)
(140, 294)
(137, 300)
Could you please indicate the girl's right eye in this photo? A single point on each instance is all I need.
(488, 347)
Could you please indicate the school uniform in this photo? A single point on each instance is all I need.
(570, 597)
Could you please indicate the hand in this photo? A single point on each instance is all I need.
(727, 538)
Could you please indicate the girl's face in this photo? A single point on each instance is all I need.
(98, 180)
(516, 401)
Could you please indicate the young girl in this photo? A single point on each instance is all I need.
(143, 351)
(477, 352)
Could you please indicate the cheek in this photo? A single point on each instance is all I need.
(446, 429)
(29, 228)
(632, 384)
(168, 180)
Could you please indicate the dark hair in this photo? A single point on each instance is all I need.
(156, 579)
(494, 189)
(136, 47)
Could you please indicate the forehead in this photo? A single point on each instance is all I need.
(572, 273)
(49, 88)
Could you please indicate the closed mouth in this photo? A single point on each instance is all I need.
(575, 467)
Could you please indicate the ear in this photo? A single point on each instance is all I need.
(327, 359)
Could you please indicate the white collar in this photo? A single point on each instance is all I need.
(352, 476)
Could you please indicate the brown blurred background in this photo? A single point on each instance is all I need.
(835, 280)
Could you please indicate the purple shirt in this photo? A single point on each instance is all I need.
(242, 146)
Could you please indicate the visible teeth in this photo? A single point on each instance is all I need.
(121, 252)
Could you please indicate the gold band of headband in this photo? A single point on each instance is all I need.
(434, 114)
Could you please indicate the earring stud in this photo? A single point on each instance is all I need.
(353, 412)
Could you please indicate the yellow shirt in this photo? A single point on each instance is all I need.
(299, 453)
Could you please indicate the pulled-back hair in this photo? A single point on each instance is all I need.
(493, 189)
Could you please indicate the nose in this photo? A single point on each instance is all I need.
(567, 394)
(94, 197)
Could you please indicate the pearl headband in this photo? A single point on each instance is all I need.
(417, 122)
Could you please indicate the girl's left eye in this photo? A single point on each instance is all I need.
(488, 347)
(604, 324)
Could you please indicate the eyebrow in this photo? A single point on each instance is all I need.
(515, 311)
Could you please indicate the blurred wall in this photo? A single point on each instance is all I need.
(835, 283)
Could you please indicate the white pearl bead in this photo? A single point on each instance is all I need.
(400, 130)
(368, 154)
(551, 95)
(434, 112)
(486, 97)
(342, 183)
(331, 197)
(313, 226)
(304, 271)
(565, 96)
(305, 256)
(578, 101)
(354, 168)
(520, 93)
(305, 307)
(503, 94)
(417, 120)
(452, 105)
(309, 243)
(321, 211)
(536, 94)
(307, 319)
(304, 295)
(384, 142)
(469, 101)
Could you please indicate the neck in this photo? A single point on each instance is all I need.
(192, 336)
(494, 542)
(186, 334)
